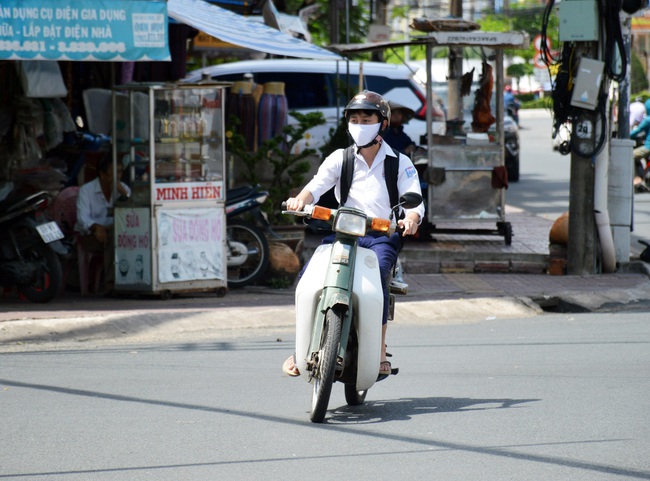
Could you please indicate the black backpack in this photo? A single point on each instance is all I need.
(391, 169)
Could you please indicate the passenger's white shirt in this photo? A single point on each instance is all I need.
(368, 191)
(637, 113)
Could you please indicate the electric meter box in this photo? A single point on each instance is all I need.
(578, 21)
(587, 83)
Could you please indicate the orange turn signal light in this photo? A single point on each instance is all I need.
(380, 225)
(322, 213)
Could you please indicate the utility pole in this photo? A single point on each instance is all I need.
(334, 22)
(381, 18)
(621, 167)
(581, 252)
(454, 107)
(596, 175)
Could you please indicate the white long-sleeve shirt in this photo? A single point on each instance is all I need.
(93, 208)
(368, 191)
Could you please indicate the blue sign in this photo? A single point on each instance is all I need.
(98, 30)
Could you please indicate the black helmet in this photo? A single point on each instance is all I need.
(368, 100)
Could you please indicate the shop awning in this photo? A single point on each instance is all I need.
(239, 30)
(100, 30)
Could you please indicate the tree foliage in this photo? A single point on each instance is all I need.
(356, 27)
(288, 168)
(638, 77)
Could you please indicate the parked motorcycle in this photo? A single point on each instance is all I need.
(339, 305)
(247, 250)
(29, 247)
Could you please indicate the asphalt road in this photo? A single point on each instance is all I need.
(552, 397)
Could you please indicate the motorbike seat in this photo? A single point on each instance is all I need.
(239, 193)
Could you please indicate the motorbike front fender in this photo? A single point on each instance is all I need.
(57, 246)
(367, 301)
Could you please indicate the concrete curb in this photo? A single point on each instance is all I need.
(193, 324)
(150, 327)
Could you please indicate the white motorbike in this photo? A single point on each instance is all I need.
(339, 306)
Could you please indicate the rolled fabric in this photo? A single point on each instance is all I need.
(241, 104)
(273, 111)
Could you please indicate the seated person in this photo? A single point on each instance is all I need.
(95, 216)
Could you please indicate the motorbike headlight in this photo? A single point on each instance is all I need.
(350, 223)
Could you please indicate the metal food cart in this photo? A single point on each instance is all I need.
(464, 173)
(170, 233)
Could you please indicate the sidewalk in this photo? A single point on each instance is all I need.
(451, 278)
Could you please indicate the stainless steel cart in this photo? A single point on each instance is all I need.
(170, 234)
(460, 175)
(462, 186)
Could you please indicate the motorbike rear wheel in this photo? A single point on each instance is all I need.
(248, 253)
(50, 274)
(354, 397)
(324, 376)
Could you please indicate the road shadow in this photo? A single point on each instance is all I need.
(405, 409)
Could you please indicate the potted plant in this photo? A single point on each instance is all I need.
(279, 157)
(280, 168)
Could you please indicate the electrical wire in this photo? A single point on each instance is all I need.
(598, 120)
(614, 42)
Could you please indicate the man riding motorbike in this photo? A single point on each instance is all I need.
(368, 115)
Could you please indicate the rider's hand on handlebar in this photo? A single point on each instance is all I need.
(294, 204)
(408, 225)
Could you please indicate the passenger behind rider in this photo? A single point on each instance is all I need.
(637, 112)
(395, 135)
(95, 216)
(642, 152)
(368, 116)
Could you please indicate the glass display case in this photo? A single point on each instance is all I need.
(170, 232)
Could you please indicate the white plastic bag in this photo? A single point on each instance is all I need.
(41, 79)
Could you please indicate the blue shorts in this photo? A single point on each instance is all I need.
(387, 249)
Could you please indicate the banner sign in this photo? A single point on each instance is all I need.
(189, 191)
(97, 30)
(133, 247)
(190, 244)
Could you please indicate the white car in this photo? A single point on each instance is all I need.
(311, 85)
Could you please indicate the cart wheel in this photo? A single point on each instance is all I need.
(166, 295)
(221, 291)
(507, 233)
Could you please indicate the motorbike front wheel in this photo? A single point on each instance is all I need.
(49, 277)
(324, 376)
(247, 252)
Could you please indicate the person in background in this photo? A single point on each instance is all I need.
(395, 135)
(641, 153)
(637, 112)
(511, 104)
(95, 216)
(368, 117)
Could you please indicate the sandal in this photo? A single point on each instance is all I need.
(289, 367)
(383, 370)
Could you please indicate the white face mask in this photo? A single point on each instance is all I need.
(363, 134)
